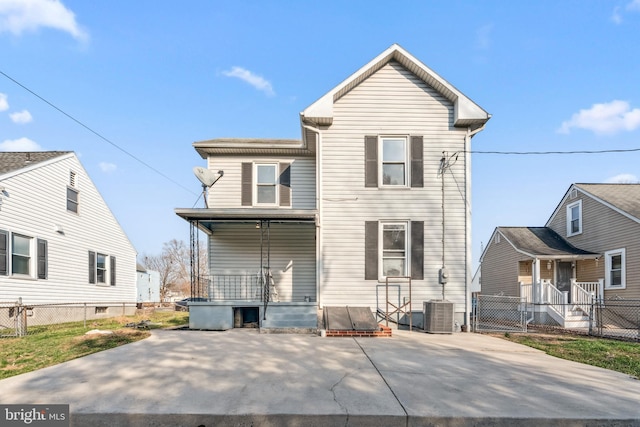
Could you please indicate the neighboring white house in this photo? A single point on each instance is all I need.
(59, 242)
(379, 186)
(148, 285)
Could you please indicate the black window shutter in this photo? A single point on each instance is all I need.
(42, 259)
(371, 250)
(370, 161)
(247, 184)
(285, 184)
(112, 266)
(4, 253)
(417, 250)
(417, 164)
(92, 267)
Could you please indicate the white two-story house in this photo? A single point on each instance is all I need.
(377, 190)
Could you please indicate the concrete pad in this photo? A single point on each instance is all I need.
(242, 377)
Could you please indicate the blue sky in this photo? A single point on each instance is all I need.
(153, 76)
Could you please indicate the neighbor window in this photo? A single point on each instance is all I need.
(102, 269)
(574, 218)
(72, 200)
(393, 161)
(394, 249)
(615, 269)
(21, 254)
(266, 184)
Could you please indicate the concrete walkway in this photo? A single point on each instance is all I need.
(243, 378)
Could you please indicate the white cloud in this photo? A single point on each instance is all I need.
(4, 104)
(254, 80)
(21, 117)
(483, 37)
(616, 16)
(607, 118)
(623, 178)
(20, 144)
(634, 6)
(18, 16)
(107, 167)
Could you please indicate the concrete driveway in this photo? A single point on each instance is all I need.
(243, 378)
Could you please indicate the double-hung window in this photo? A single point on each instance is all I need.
(102, 269)
(574, 218)
(21, 260)
(615, 269)
(22, 256)
(394, 249)
(266, 184)
(393, 161)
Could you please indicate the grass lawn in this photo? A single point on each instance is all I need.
(615, 355)
(53, 344)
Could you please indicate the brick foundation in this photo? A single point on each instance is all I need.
(384, 331)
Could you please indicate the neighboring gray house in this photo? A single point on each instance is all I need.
(59, 242)
(148, 285)
(589, 246)
(326, 219)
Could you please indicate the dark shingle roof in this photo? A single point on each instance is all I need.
(540, 241)
(625, 197)
(14, 160)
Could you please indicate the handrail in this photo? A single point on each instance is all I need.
(556, 299)
(581, 297)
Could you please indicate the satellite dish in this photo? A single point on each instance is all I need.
(205, 176)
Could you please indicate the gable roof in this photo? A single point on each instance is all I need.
(466, 112)
(541, 242)
(622, 198)
(16, 160)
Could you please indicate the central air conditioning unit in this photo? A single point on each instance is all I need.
(438, 317)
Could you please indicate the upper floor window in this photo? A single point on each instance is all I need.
(72, 200)
(615, 269)
(266, 184)
(574, 218)
(393, 161)
(22, 255)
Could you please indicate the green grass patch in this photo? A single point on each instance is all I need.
(52, 344)
(611, 354)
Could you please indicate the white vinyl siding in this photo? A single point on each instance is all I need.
(41, 216)
(235, 250)
(226, 193)
(391, 102)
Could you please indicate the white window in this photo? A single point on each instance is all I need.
(266, 180)
(615, 269)
(102, 269)
(574, 218)
(21, 255)
(393, 161)
(394, 248)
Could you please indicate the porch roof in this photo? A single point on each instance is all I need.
(207, 218)
(543, 242)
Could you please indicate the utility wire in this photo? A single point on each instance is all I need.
(535, 153)
(96, 133)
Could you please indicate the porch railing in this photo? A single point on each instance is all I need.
(556, 299)
(245, 287)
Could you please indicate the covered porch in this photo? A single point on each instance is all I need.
(261, 269)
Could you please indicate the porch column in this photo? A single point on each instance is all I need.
(535, 281)
(601, 289)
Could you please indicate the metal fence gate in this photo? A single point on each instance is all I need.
(500, 314)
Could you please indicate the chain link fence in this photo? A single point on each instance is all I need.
(18, 319)
(612, 318)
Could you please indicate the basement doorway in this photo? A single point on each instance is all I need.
(246, 317)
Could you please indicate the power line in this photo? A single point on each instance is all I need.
(96, 133)
(537, 153)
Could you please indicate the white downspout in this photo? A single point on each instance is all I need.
(467, 208)
(319, 263)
